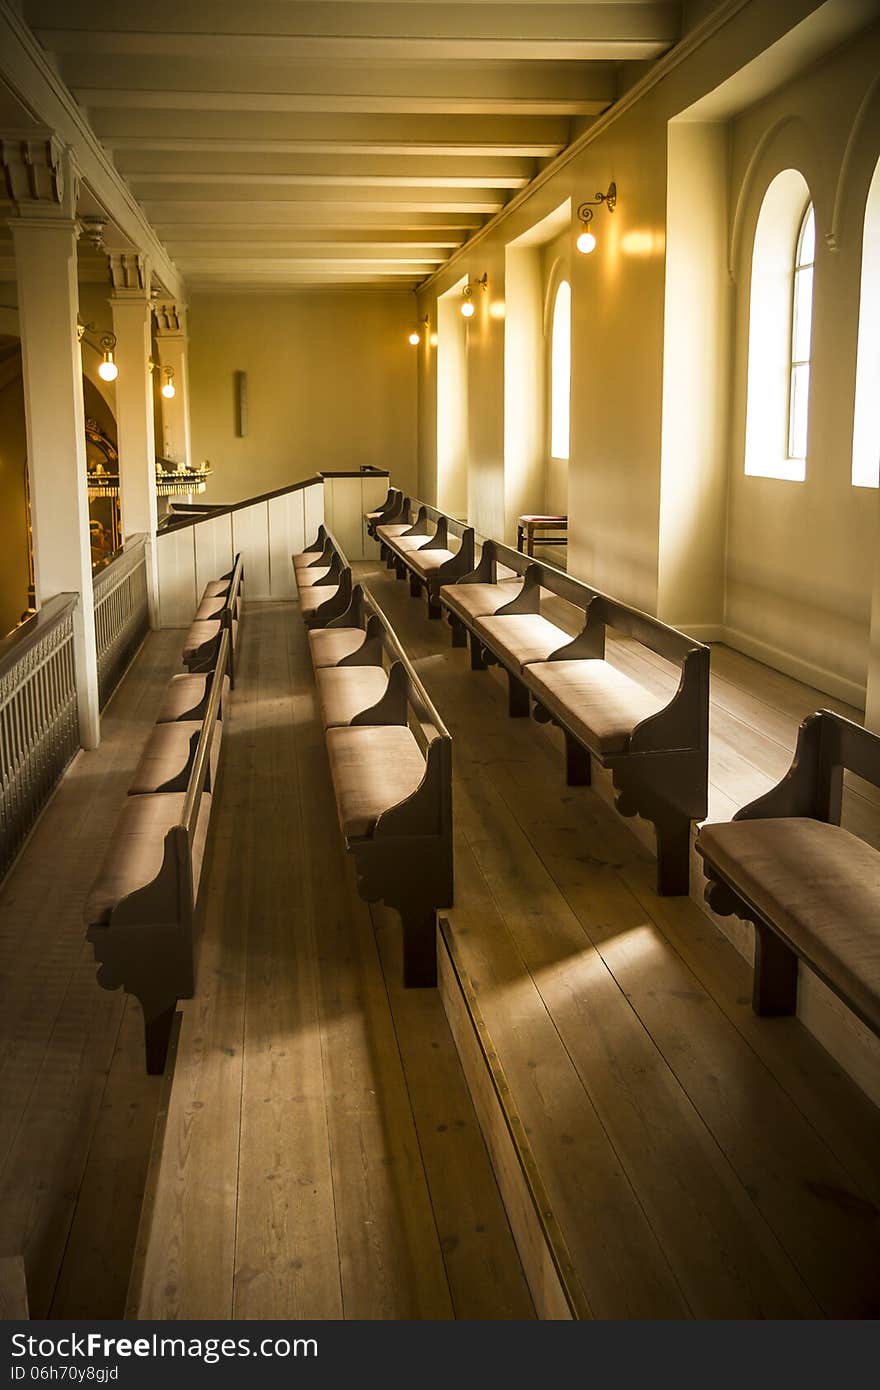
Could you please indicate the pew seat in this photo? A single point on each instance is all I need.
(481, 600)
(168, 757)
(521, 638)
(210, 608)
(136, 850)
(820, 887)
(201, 632)
(312, 597)
(311, 575)
(186, 697)
(345, 692)
(599, 704)
(409, 543)
(374, 767)
(215, 587)
(423, 561)
(330, 645)
(391, 530)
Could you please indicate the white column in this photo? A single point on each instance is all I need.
(171, 340)
(45, 237)
(132, 324)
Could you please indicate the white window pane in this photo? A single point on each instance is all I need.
(808, 239)
(803, 315)
(560, 372)
(800, 399)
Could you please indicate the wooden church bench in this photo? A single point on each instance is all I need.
(811, 888)
(656, 748)
(141, 910)
(434, 551)
(387, 509)
(202, 641)
(391, 764)
(186, 697)
(397, 510)
(329, 595)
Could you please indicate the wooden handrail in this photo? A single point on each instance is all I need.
(177, 520)
(199, 773)
(17, 645)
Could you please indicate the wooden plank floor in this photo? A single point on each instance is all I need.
(77, 1108)
(321, 1155)
(701, 1162)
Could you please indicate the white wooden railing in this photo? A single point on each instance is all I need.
(197, 544)
(122, 616)
(39, 729)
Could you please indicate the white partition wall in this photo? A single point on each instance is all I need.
(267, 533)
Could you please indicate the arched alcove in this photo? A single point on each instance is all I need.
(866, 419)
(773, 380)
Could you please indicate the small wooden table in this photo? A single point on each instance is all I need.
(528, 525)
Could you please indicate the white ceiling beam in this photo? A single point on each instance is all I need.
(428, 169)
(148, 145)
(190, 27)
(425, 240)
(261, 126)
(189, 178)
(247, 215)
(294, 266)
(353, 253)
(248, 48)
(152, 100)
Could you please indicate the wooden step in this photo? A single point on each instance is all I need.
(546, 1261)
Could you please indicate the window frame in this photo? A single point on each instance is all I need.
(559, 457)
(799, 266)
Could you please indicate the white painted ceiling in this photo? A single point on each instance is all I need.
(274, 143)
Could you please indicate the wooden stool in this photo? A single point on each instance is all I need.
(528, 525)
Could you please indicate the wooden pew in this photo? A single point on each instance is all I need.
(424, 551)
(141, 911)
(396, 508)
(657, 751)
(391, 764)
(323, 579)
(202, 642)
(811, 888)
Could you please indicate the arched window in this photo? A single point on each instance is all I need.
(801, 336)
(866, 424)
(560, 372)
(780, 331)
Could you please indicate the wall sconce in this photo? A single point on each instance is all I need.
(106, 345)
(467, 294)
(586, 242)
(168, 388)
(415, 336)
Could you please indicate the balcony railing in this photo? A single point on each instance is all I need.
(39, 729)
(122, 615)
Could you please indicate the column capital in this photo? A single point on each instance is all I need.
(129, 274)
(40, 174)
(170, 318)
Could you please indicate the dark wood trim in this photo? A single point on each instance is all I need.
(176, 521)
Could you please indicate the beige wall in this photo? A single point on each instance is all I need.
(331, 383)
(655, 478)
(801, 554)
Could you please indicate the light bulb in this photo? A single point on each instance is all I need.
(168, 391)
(586, 243)
(108, 370)
(414, 338)
(467, 308)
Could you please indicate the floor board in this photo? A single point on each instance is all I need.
(750, 1158)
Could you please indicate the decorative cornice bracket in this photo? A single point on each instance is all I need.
(40, 175)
